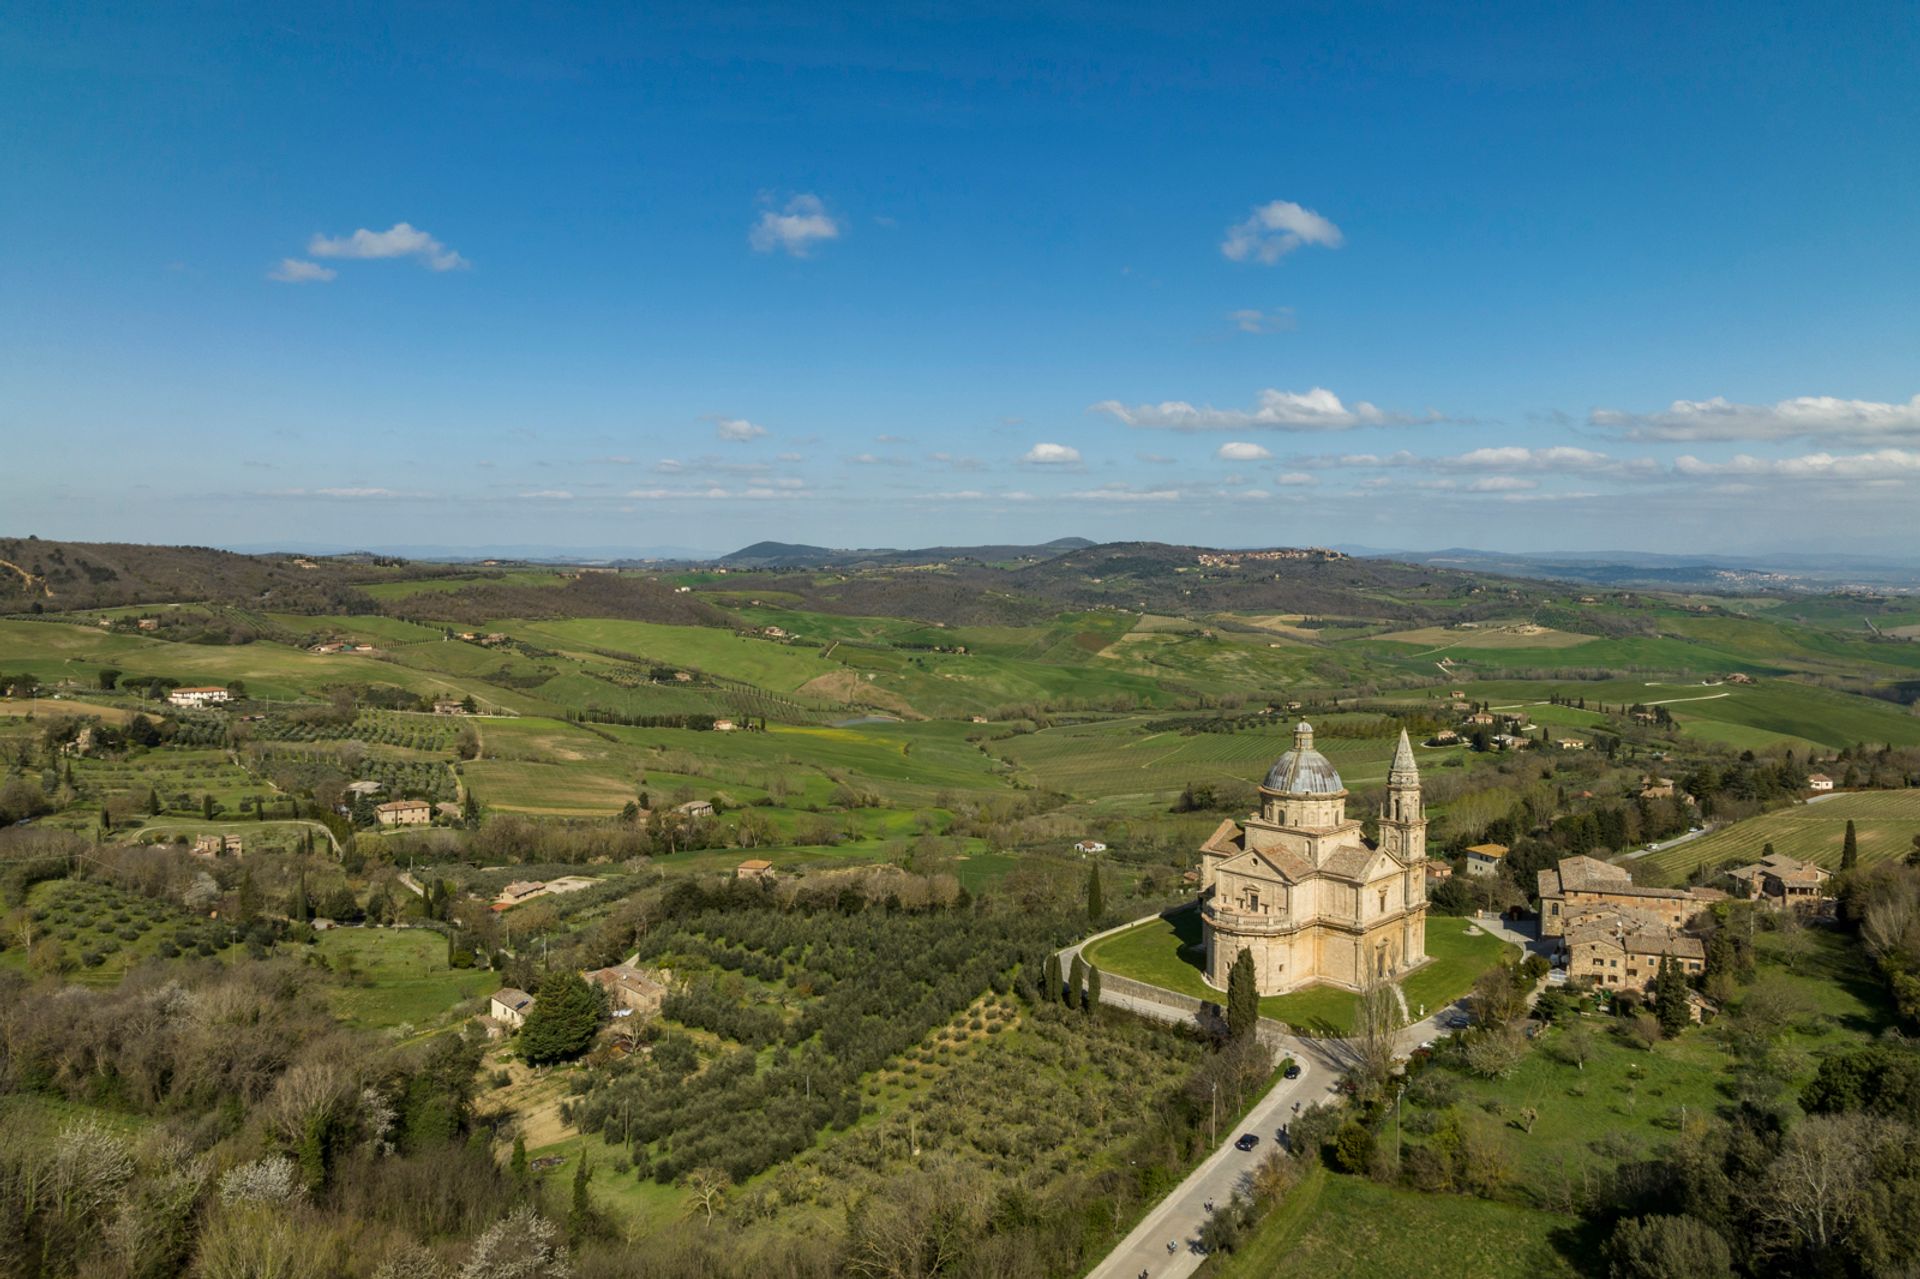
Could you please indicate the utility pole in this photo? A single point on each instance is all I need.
(1213, 1125)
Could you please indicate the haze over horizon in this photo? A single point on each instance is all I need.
(705, 277)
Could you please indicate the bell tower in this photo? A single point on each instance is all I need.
(1403, 821)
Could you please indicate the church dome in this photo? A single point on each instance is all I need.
(1303, 770)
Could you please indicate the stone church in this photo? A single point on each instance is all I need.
(1298, 886)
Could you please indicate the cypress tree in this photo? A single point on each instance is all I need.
(153, 802)
(249, 906)
(206, 807)
(1096, 900)
(1093, 987)
(580, 1217)
(299, 910)
(1670, 997)
(1849, 849)
(1243, 997)
(519, 1165)
(564, 1020)
(1050, 980)
(1076, 984)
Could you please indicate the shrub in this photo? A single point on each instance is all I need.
(1353, 1148)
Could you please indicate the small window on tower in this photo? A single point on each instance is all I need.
(1383, 901)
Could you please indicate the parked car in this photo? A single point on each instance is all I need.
(1247, 1141)
(1292, 1071)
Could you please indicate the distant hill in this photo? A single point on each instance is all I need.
(36, 574)
(796, 555)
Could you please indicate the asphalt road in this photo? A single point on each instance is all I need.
(1179, 1217)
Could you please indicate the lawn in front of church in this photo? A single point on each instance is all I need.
(1169, 952)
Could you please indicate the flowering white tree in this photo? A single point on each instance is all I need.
(521, 1245)
(272, 1180)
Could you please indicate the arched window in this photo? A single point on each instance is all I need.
(1383, 901)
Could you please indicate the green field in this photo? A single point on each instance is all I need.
(1117, 758)
(1885, 823)
(398, 976)
(1167, 952)
(1745, 716)
(1338, 1227)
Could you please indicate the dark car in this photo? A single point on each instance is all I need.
(1292, 1071)
(1247, 1141)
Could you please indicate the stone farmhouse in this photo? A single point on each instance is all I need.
(1622, 949)
(203, 695)
(1298, 887)
(1780, 881)
(1582, 885)
(629, 988)
(1819, 782)
(404, 812)
(510, 1006)
(218, 846)
(758, 868)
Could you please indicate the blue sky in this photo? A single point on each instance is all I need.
(1520, 277)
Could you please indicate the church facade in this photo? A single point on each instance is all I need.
(1298, 887)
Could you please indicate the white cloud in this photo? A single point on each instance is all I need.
(794, 230)
(1274, 230)
(1501, 484)
(1254, 320)
(1880, 464)
(1814, 417)
(296, 271)
(668, 466)
(790, 457)
(402, 240)
(1315, 410)
(1242, 452)
(364, 493)
(1248, 495)
(1557, 459)
(555, 495)
(737, 429)
(1051, 455)
(1295, 479)
(1124, 493)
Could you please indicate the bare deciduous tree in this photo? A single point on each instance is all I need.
(1814, 1186)
(708, 1187)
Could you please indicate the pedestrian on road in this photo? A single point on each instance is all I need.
(1172, 1247)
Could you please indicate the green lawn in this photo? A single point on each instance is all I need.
(1625, 1101)
(1166, 952)
(1336, 1227)
(406, 977)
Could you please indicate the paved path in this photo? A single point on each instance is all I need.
(1179, 1217)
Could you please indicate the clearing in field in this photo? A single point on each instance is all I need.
(1510, 635)
(1885, 823)
(398, 976)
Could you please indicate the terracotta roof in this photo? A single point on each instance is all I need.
(1227, 839)
(1348, 863)
(1492, 852)
(1274, 861)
